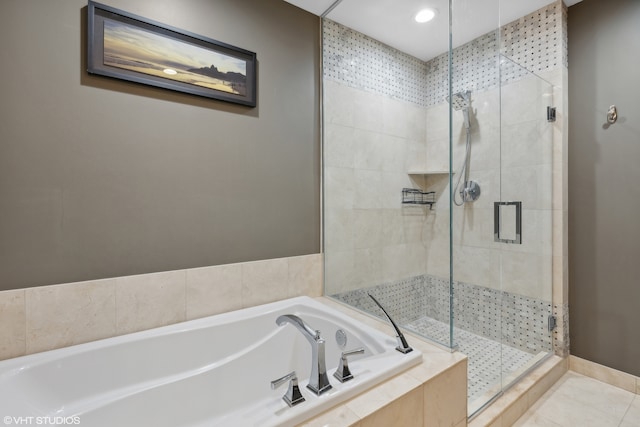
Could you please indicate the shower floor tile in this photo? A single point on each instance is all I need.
(486, 357)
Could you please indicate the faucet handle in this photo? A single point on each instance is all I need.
(293, 395)
(343, 373)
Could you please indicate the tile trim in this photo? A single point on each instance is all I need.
(522, 396)
(302, 275)
(605, 374)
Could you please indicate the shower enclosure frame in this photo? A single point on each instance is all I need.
(453, 253)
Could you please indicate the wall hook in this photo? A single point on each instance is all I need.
(612, 114)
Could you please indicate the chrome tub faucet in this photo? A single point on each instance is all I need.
(318, 381)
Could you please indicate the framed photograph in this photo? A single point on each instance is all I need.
(128, 47)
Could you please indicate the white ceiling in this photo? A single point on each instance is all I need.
(391, 21)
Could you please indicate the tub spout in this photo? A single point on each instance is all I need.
(319, 381)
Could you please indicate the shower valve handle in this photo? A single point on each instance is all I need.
(293, 396)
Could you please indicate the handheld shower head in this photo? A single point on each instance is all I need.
(461, 101)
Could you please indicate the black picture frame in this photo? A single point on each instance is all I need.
(172, 58)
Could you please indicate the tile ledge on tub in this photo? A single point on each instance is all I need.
(436, 362)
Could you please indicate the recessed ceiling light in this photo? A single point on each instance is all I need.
(425, 15)
(170, 71)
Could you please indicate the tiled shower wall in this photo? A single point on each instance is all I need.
(362, 75)
(370, 142)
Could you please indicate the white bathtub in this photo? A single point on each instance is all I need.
(214, 371)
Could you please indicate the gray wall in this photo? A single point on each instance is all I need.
(604, 172)
(103, 178)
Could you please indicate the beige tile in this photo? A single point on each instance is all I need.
(445, 397)
(495, 423)
(389, 190)
(632, 417)
(406, 412)
(462, 423)
(437, 122)
(566, 411)
(340, 184)
(630, 423)
(264, 281)
(416, 155)
(436, 154)
(435, 361)
(338, 105)
(377, 398)
(416, 122)
(401, 261)
(367, 266)
(530, 387)
(395, 151)
(367, 194)
(393, 227)
(527, 274)
(339, 272)
(338, 230)
(534, 419)
(520, 100)
(579, 400)
(603, 373)
(367, 228)
(150, 300)
(213, 290)
(477, 265)
(394, 117)
(368, 110)
(69, 314)
(305, 275)
(515, 411)
(637, 385)
(368, 150)
(12, 324)
(594, 394)
(521, 145)
(560, 223)
(339, 416)
(545, 381)
(560, 291)
(490, 416)
(338, 146)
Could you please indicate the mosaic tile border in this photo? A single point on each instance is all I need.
(364, 63)
(534, 43)
(403, 299)
(515, 320)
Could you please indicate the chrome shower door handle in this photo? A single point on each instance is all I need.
(507, 212)
(612, 115)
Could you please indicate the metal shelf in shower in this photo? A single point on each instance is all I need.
(413, 196)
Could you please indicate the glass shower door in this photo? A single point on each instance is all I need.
(501, 146)
(475, 157)
(524, 218)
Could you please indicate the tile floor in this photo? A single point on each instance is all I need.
(579, 401)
